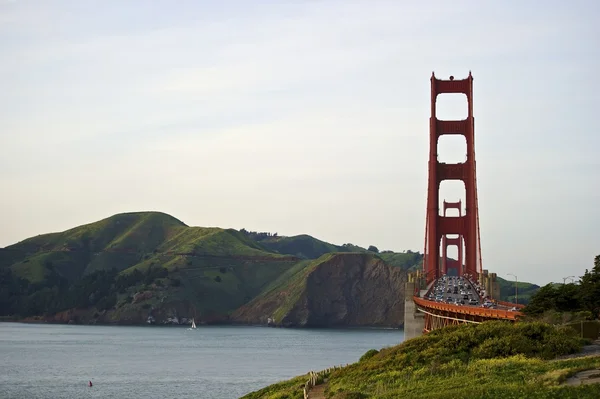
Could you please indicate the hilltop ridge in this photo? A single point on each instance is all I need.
(149, 266)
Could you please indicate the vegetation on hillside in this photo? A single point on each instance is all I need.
(131, 264)
(303, 246)
(307, 247)
(289, 286)
(209, 270)
(489, 360)
(407, 260)
(583, 296)
(103, 265)
(524, 290)
(98, 289)
(338, 289)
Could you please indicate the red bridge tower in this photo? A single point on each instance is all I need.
(467, 225)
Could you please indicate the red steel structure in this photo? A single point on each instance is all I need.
(439, 315)
(448, 241)
(467, 225)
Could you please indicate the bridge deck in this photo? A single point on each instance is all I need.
(485, 313)
(450, 306)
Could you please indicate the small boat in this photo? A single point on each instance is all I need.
(193, 327)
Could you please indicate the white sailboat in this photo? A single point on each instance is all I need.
(193, 327)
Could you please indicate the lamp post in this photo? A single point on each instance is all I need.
(516, 289)
(568, 277)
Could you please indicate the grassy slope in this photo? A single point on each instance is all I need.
(302, 246)
(139, 240)
(123, 241)
(308, 247)
(288, 287)
(491, 360)
(226, 270)
(405, 260)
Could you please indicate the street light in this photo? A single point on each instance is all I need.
(516, 289)
(565, 279)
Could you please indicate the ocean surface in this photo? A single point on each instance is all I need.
(212, 362)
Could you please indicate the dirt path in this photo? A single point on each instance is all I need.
(318, 392)
(584, 378)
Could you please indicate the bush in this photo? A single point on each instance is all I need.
(492, 339)
(369, 354)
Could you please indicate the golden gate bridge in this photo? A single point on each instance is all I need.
(432, 300)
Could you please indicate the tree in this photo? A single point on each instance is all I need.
(569, 297)
(373, 248)
(544, 299)
(589, 293)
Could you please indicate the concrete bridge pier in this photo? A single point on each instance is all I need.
(414, 321)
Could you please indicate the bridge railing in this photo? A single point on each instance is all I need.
(314, 377)
(469, 310)
(510, 304)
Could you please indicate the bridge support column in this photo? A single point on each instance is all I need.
(466, 226)
(414, 321)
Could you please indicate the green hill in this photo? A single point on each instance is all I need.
(406, 260)
(121, 242)
(524, 290)
(488, 360)
(307, 247)
(208, 271)
(130, 266)
(302, 246)
(133, 265)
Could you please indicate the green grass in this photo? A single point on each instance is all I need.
(302, 246)
(284, 292)
(490, 360)
(138, 241)
(123, 241)
(290, 389)
(405, 260)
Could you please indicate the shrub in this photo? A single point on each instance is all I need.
(369, 354)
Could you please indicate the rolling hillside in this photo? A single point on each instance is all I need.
(121, 242)
(140, 266)
(110, 264)
(132, 266)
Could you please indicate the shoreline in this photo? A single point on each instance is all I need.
(215, 324)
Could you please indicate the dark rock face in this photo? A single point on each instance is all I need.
(346, 290)
(352, 290)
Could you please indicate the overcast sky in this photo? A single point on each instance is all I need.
(304, 117)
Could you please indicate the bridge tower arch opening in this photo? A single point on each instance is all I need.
(441, 230)
(453, 267)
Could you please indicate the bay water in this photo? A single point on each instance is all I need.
(212, 362)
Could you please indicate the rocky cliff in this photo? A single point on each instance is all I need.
(336, 290)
